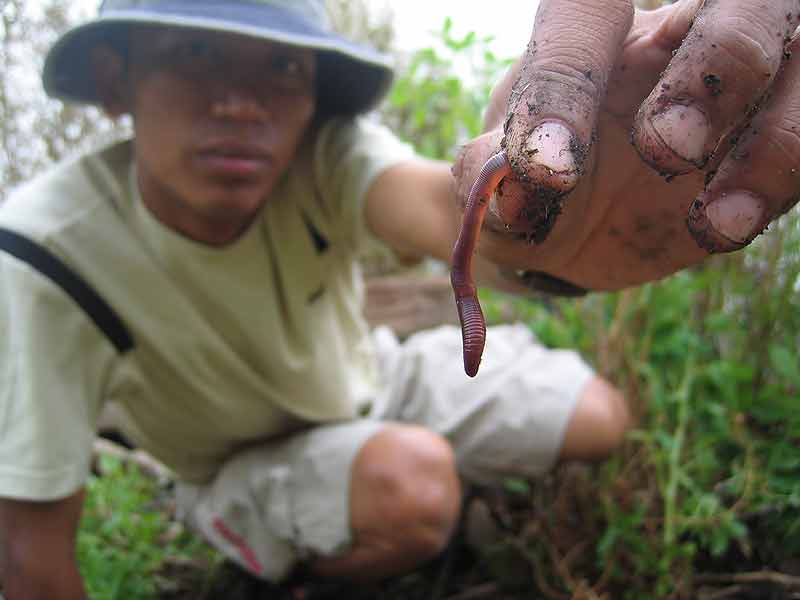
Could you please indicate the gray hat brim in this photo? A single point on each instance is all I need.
(351, 78)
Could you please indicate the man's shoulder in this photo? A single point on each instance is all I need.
(350, 145)
(68, 191)
(347, 131)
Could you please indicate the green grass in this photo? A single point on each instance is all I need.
(710, 479)
(129, 546)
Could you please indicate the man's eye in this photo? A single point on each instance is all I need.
(195, 50)
(287, 66)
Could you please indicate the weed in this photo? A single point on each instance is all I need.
(128, 540)
(710, 479)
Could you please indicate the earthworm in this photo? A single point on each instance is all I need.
(473, 325)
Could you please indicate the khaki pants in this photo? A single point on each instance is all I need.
(276, 504)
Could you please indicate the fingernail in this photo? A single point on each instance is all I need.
(684, 129)
(549, 145)
(736, 215)
(552, 161)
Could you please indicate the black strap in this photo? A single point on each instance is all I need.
(87, 298)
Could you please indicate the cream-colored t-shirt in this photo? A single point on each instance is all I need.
(232, 345)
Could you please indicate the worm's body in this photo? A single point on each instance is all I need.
(473, 325)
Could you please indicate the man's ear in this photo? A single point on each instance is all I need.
(111, 80)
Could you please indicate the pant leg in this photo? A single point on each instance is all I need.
(279, 503)
(508, 420)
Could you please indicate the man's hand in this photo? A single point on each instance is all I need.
(641, 141)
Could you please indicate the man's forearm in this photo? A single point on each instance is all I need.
(37, 549)
(43, 582)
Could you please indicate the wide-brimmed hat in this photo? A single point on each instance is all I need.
(351, 78)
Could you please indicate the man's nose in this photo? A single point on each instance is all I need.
(238, 104)
(240, 95)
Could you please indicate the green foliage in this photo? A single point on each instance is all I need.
(709, 358)
(36, 131)
(126, 538)
(438, 97)
(360, 22)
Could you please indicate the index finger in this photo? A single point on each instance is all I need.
(716, 78)
(554, 104)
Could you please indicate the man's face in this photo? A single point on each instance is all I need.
(218, 119)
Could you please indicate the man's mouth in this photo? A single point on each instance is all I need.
(234, 159)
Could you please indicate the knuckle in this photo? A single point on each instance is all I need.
(627, 9)
(745, 42)
(571, 80)
(613, 15)
(783, 144)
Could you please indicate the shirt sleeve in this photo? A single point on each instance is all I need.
(53, 362)
(349, 155)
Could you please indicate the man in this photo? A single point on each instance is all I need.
(224, 237)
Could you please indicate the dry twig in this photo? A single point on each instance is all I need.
(789, 582)
(479, 592)
(148, 465)
(734, 591)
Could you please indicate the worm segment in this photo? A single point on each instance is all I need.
(473, 324)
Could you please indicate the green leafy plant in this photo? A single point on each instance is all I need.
(709, 360)
(127, 538)
(437, 100)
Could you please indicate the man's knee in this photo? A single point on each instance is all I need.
(405, 490)
(599, 423)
